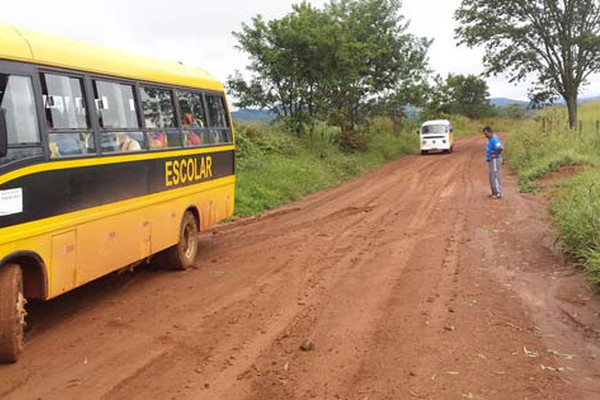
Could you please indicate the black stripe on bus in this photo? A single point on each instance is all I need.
(51, 193)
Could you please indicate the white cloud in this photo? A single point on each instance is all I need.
(199, 33)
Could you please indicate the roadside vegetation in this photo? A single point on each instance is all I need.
(275, 167)
(545, 144)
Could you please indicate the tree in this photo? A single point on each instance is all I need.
(468, 96)
(330, 63)
(555, 41)
(375, 59)
(460, 94)
(286, 64)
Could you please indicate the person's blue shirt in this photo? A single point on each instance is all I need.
(493, 145)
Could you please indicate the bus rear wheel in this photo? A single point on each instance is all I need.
(12, 313)
(182, 255)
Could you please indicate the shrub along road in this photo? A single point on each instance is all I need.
(407, 283)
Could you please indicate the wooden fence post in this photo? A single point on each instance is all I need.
(544, 124)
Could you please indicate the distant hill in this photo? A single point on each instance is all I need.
(247, 114)
(589, 99)
(503, 102)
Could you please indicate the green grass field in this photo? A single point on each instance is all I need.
(545, 144)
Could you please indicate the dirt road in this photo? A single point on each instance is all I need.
(408, 283)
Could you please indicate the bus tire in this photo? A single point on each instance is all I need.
(181, 256)
(424, 152)
(12, 313)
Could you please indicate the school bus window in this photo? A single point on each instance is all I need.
(219, 132)
(192, 138)
(122, 141)
(157, 106)
(70, 144)
(216, 111)
(116, 105)
(159, 115)
(225, 136)
(18, 105)
(174, 139)
(191, 105)
(193, 117)
(66, 117)
(64, 102)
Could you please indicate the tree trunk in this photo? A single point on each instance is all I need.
(571, 100)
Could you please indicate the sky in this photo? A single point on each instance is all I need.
(199, 32)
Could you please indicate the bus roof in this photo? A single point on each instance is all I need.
(437, 122)
(33, 47)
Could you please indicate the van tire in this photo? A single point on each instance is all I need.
(12, 313)
(182, 256)
(424, 152)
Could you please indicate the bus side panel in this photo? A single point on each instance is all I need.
(64, 262)
(113, 242)
(216, 207)
(166, 218)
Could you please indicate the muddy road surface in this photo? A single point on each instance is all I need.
(407, 283)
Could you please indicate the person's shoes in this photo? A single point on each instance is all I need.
(496, 196)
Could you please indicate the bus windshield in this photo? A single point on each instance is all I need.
(434, 129)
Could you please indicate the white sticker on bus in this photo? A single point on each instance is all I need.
(11, 201)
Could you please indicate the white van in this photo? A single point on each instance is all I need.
(436, 135)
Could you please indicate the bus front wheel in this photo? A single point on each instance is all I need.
(12, 313)
(182, 255)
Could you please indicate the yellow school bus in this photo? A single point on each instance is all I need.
(106, 160)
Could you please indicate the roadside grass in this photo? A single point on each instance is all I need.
(464, 126)
(576, 210)
(536, 148)
(274, 167)
(545, 144)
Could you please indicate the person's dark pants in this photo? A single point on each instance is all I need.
(495, 176)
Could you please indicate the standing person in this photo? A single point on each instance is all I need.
(493, 156)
